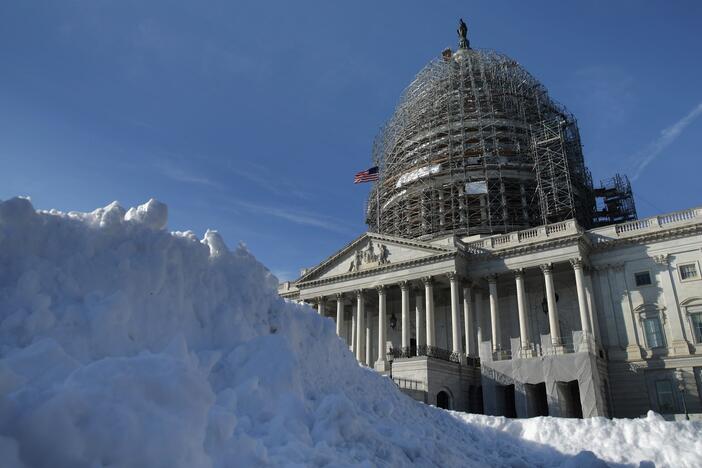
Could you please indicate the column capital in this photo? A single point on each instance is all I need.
(492, 278)
(452, 275)
(339, 296)
(617, 267)
(359, 293)
(320, 299)
(381, 289)
(404, 285)
(662, 259)
(518, 272)
(576, 263)
(546, 268)
(427, 280)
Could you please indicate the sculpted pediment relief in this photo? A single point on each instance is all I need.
(373, 255)
(372, 251)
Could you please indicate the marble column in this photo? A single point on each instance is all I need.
(455, 314)
(320, 306)
(494, 313)
(553, 324)
(582, 297)
(526, 348)
(381, 365)
(404, 289)
(623, 309)
(369, 342)
(479, 335)
(419, 319)
(468, 319)
(354, 315)
(429, 306)
(360, 326)
(339, 312)
(678, 345)
(591, 306)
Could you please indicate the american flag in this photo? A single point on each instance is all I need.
(369, 175)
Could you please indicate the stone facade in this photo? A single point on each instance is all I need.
(551, 320)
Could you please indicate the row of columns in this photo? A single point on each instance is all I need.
(424, 315)
(553, 320)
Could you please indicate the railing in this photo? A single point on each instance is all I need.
(410, 384)
(502, 355)
(528, 234)
(438, 353)
(609, 233)
(540, 233)
(396, 353)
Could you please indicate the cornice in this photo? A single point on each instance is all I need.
(526, 248)
(320, 268)
(379, 269)
(672, 233)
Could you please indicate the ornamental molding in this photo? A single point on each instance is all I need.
(662, 259)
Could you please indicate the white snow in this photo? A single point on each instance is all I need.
(125, 345)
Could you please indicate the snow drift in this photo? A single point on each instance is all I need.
(123, 344)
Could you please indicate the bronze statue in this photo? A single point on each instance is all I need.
(462, 35)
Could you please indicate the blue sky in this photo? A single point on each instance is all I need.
(252, 117)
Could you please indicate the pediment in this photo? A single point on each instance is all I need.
(373, 251)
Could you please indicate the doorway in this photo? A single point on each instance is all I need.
(569, 399)
(443, 400)
(537, 402)
(505, 400)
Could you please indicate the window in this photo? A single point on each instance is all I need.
(688, 271)
(642, 278)
(654, 332)
(664, 394)
(696, 320)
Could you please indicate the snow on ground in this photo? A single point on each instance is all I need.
(122, 344)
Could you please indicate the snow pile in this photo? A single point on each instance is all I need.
(122, 344)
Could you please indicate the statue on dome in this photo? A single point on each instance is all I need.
(462, 35)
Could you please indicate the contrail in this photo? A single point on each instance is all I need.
(668, 136)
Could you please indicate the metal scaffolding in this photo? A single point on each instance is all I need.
(476, 146)
(614, 201)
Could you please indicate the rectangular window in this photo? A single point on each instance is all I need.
(654, 332)
(696, 320)
(642, 278)
(688, 271)
(664, 394)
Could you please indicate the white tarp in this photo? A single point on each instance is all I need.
(476, 188)
(417, 174)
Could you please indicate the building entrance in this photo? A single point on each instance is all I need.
(569, 399)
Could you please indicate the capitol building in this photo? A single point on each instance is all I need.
(496, 277)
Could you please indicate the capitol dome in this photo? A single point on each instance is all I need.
(476, 146)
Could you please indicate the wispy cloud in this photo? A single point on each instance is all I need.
(296, 216)
(174, 172)
(262, 177)
(666, 138)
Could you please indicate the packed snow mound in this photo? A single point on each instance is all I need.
(125, 345)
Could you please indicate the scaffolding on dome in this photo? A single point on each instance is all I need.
(614, 201)
(476, 146)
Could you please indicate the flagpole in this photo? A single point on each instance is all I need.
(377, 198)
